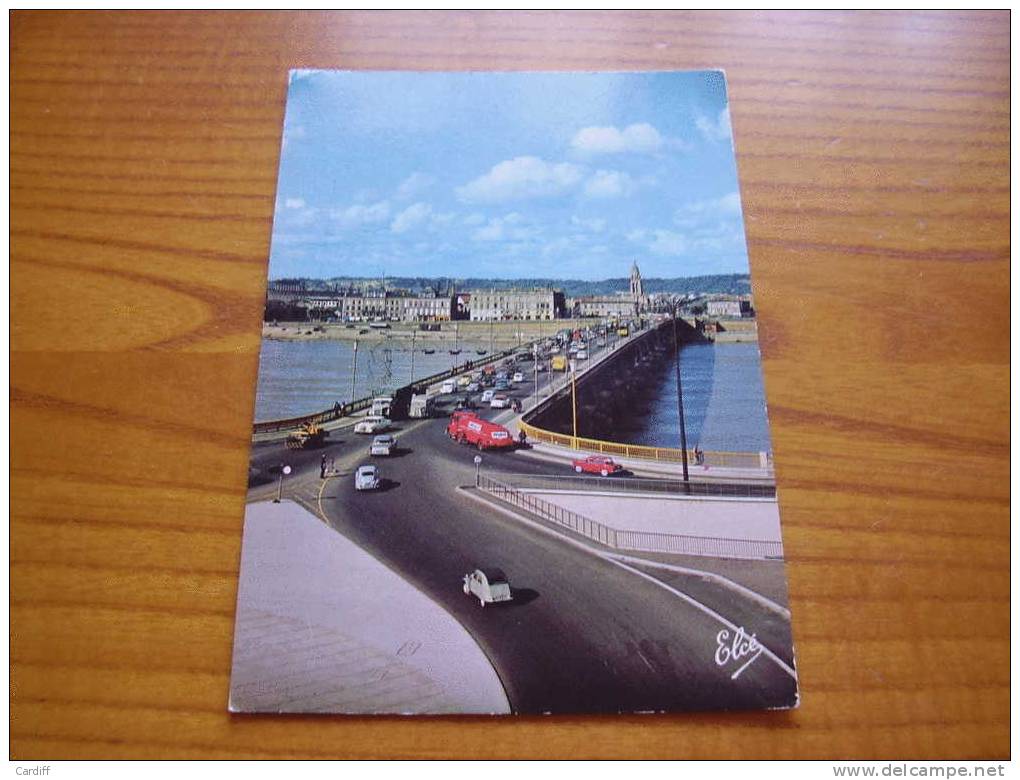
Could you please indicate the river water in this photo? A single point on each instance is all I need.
(724, 399)
(302, 377)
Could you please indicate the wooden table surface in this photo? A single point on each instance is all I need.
(874, 158)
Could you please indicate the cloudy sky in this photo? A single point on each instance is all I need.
(563, 175)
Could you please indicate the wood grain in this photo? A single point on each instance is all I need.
(874, 158)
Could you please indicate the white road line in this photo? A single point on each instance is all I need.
(678, 593)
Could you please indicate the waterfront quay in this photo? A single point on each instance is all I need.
(607, 614)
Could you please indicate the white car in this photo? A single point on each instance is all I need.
(488, 585)
(372, 424)
(366, 478)
(474, 387)
(487, 396)
(499, 401)
(518, 377)
(449, 386)
(582, 354)
(383, 445)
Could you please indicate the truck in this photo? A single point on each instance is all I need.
(466, 427)
(381, 406)
(422, 406)
(559, 362)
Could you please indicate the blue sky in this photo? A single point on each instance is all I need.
(559, 175)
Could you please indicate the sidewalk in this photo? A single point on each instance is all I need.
(640, 467)
(324, 627)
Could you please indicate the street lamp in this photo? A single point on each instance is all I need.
(478, 470)
(674, 304)
(279, 491)
(573, 396)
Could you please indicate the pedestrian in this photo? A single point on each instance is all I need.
(322, 467)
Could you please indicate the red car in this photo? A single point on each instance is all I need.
(597, 464)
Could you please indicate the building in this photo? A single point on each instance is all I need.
(628, 304)
(515, 304)
(729, 307)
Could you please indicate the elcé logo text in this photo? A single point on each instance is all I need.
(734, 646)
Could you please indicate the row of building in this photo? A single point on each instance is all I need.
(368, 303)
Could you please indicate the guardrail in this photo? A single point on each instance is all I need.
(631, 485)
(756, 460)
(640, 541)
(344, 410)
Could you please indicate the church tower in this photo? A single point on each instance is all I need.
(636, 289)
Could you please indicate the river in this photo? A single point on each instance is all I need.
(724, 401)
(302, 377)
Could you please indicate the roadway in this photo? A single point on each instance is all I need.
(583, 634)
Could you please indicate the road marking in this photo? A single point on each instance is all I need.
(598, 554)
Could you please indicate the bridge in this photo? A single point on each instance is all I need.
(439, 512)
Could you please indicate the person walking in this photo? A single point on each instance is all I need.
(322, 467)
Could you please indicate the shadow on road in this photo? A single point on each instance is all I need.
(522, 596)
(386, 485)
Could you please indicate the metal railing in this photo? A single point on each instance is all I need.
(757, 460)
(638, 485)
(345, 410)
(640, 541)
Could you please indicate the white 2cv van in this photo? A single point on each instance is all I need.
(488, 585)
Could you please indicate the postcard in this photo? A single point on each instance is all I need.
(510, 451)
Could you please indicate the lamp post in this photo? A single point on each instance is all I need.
(675, 313)
(478, 470)
(573, 397)
(279, 491)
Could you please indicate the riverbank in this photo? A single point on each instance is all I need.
(474, 334)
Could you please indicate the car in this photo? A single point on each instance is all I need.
(500, 401)
(597, 464)
(372, 424)
(582, 354)
(367, 478)
(540, 368)
(489, 585)
(518, 377)
(463, 381)
(449, 386)
(383, 445)
(473, 387)
(502, 384)
(487, 396)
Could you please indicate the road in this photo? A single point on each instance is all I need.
(583, 634)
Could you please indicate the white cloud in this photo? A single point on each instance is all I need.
(593, 225)
(512, 227)
(639, 138)
(666, 242)
(728, 204)
(696, 214)
(660, 242)
(474, 219)
(294, 203)
(358, 215)
(413, 185)
(412, 217)
(521, 178)
(717, 129)
(609, 184)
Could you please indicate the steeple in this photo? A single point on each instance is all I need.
(636, 288)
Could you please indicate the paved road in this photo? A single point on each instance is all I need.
(582, 634)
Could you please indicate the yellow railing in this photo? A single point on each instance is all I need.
(662, 454)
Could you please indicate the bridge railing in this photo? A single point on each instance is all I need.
(632, 485)
(756, 460)
(347, 409)
(640, 541)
